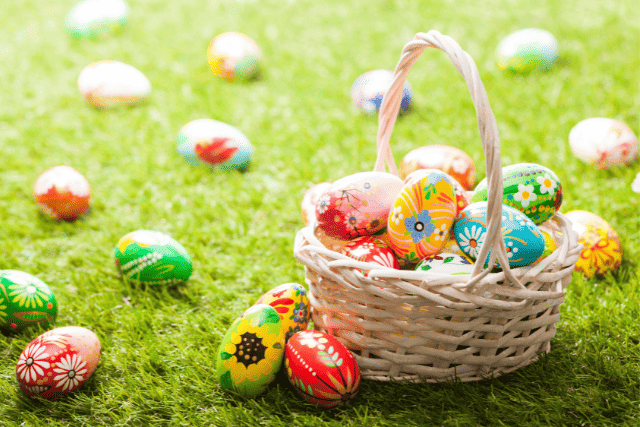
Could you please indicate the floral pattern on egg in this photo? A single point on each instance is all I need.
(291, 302)
(371, 249)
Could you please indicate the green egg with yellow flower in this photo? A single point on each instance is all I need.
(25, 300)
(251, 353)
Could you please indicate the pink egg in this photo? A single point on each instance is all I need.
(310, 199)
(357, 205)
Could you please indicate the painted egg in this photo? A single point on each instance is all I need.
(602, 250)
(210, 143)
(523, 240)
(24, 300)
(93, 18)
(402, 263)
(321, 369)
(63, 193)
(422, 216)
(310, 200)
(550, 244)
(603, 142)
(152, 257)
(451, 246)
(463, 197)
(58, 362)
(447, 263)
(371, 249)
(527, 50)
(234, 56)
(292, 304)
(108, 84)
(250, 354)
(357, 205)
(530, 188)
(331, 243)
(450, 160)
(369, 88)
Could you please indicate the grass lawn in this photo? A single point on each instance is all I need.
(158, 344)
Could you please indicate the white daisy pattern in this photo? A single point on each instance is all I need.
(525, 195)
(471, 240)
(397, 215)
(547, 184)
(441, 233)
(71, 370)
(32, 362)
(323, 204)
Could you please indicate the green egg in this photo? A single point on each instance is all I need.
(251, 353)
(24, 300)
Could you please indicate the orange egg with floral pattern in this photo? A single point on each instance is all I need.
(450, 160)
(291, 302)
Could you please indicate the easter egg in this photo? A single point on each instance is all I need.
(530, 188)
(24, 300)
(331, 243)
(371, 249)
(93, 18)
(523, 240)
(109, 84)
(321, 369)
(250, 354)
(58, 362)
(463, 197)
(210, 143)
(450, 160)
(422, 216)
(310, 200)
(357, 205)
(451, 246)
(603, 142)
(63, 193)
(447, 263)
(602, 250)
(152, 257)
(369, 88)
(550, 244)
(292, 304)
(234, 56)
(527, 50)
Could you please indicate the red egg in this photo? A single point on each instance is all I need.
(321, 369)
(371, 249)
(310, 200)
(62, 193)
(58, 362)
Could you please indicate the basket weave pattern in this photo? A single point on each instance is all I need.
(420, 326)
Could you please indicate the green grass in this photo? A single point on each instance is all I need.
(157, 365)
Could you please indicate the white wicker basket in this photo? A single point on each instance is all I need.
(420, 326)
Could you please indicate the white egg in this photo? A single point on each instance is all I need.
(603, 142)
(108, 84)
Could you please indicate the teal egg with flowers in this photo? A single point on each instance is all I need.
(530, 188)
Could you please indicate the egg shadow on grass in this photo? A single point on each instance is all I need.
(48, 223)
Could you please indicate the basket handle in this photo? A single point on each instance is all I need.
(488, 135)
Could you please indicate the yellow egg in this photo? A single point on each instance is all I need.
(292, 304)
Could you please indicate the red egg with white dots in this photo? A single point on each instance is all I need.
(321, 369)
(62, 193)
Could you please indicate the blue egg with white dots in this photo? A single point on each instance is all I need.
(523, 239)
(369, 89)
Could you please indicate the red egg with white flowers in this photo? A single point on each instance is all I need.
(321, 369)
(62, 193)
(58, 362)
(371, 249)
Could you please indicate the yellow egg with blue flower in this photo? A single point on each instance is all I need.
(250, 354)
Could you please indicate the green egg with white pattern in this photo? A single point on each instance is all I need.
(25, 300)
(251, 352)
(530, 188)
(153, 258)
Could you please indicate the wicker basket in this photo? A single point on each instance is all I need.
(420, 326)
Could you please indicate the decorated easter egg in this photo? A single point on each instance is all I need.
(331, 243)
(292, 304)
(210, 143)
(250, 354)
(451, 246)
(369, 88)
(371, 249)
(602, 250)
(450, 160)
(447, 263)
(463, 197)
(357, 205)
(527, 50)
(321, 369)
(523, 240)
(24, 300)
(603, 142)
(58, 362)
(108, 84)
(92, 18)
(310, 200)
(234, 56)
(63, 193)
(550, 244)
(152, 257)
(422, 215)
(530, 188)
